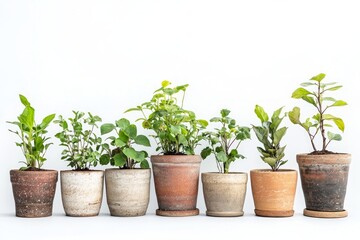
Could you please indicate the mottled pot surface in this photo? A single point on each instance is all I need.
(273, 192)
(33, 192)
(176, 179)
(82, 192)
(127, 191)
(224, 194)
(324, 181)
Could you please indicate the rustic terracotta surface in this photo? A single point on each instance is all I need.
(224, 193)
(320, 214)
(176, 179)
(81, 192)
(34, 192)
(273, 192)
(324, 181)
(127, 191)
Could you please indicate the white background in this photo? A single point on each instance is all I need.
(107, 56)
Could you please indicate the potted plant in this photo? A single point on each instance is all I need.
(177, 133)
(273, 189)
(323, 173)
(224, 192)
(127, 187)
(33, 187)
(81, 188)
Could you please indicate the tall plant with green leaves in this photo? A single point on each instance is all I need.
(270, 135)
(123, 154)
(177, 130)
(82, 145)
(225, 141)
(33, 139)
(314, 92)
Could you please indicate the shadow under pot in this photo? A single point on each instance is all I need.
(324, 182)
(33, 192)
(224, 193)
(81, 192)
(176, 179)
(273, 192)
(127, 191)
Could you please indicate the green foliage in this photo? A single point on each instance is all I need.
(33, 141)
(177, 130)
(320, 121)
(270, 135)
(225, 141)
(123, 154)
(81, 143)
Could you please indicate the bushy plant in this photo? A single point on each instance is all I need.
(314, 92)
(177, 130)
(123, 154)
(33, 139)
(225, 141)
(81, 144)
(270, 135)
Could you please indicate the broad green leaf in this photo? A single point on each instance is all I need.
(271, 161)
(144, 164)
(119, 160)
(47, 120)
(203, 123)
(339, 123)
(329, 99)
(279, 135)
(261, 114)
(24, 100)
(309, 100)
(183, 140)
(130, 153)
(205, 152)
(123, 123)
(306, 84)
(106, 128)
(131, 131)
(123, 137)
(338, 103)
(294, 115)
(27, 117)
(224, 112)
(333, 136)
(165, 83)
(318, 77)
(333, 88)
(280, 152)
(104, 159)
(119, 143)
(176, 130)
(300, 92)
(142, 140)
(276, 114)
(221, 156)
(263, 152)
(215, 119)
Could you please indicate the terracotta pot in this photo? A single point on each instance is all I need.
(81, 192)
(127, 191)
(224, 193)
(176, 180)
(34, 192)
(273, 192)
(324, 181)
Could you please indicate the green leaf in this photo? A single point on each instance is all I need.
(123, 123)
(47, 120)
(329, 99)
(183, 140)
(205, 152)
(338, 121)
(203, 123)
(271, 161)
(119, 160)
(309, 100)
(176, 130)
(224, 112)
(294, 115)
(165, 83)
(144, 164)
(131, 131)
(130, 153)
(306, 84)
(300, 92)
(119, 143)
(142, 140)
(106, 128)
(24, 100)
(333, 136)
(221, 156)
(333, 88)
(261, 114)
(318, 77)
(279, 135)
(104, 159)
(338, 103)
(276, 114)
(27, 117)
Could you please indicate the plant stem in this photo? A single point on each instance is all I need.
(322, 129)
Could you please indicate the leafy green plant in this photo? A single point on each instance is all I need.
(123, 154)
(313, 92)
(224, 141)
(270, 135)
(177, 130)
(33, 136)
(81, 143)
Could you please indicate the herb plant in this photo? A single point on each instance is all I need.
(270, 135)
(224, 141)
(81, 143)
(123, 155)
(177, 130)
(33, 140)
(313, 92)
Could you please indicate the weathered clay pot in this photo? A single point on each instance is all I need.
(273, 192)
(176, 180)
(324, 181)
(224, 193)
(34, 192)
(81, 192)
(127, 191)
